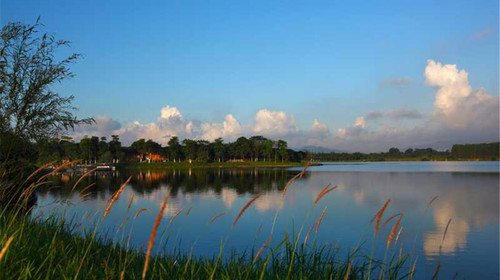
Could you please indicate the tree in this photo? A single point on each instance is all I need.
(242, 147)
(29, 67)
(190, 147)
(174, 148)
(219, 149)
(258, 143)
(139, 147)
(268, 149)
(30, 111)
(115, 148)
(203, 151)
(282, 147)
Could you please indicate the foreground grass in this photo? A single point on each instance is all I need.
(187, 165)
(50, 249)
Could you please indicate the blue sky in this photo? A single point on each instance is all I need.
(327, 60)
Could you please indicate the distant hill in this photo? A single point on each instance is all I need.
(318, 149)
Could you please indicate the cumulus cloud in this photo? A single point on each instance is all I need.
(460, 114)
(274, 123)
(457, 105)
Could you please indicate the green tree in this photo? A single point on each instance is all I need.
(268, 149)
(115, 148)
(242, 147)
(174, 148)
(189, 148)
(203, 151)
(282, 147)
(30, 110)
(140, 148)
(219, 149)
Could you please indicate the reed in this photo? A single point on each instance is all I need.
(177, 213)
(83, 177)
(130, 202)
(323, 192)
(320, 219)
(261, 249)
(245, 208)
(6, 246)
(309, 233)
(216, 217)
(378, 217)
(115, 197)
(152, 237)
(429, 204)
(393, 231)
(139, 212)
(389, 219)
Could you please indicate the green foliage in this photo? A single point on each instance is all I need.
(479, 151)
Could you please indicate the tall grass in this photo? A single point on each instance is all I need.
(52, 248)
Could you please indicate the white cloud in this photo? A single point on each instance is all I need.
(457, 105)
(274, 123)
(461, 115)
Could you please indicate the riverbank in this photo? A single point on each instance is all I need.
(51, 249)
(187, 165)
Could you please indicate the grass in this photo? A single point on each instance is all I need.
(187, 165)
(51, 248)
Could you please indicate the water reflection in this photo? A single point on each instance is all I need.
(469, 198)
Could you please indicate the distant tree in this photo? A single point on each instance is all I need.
(282, 147)
(102, 149)
(394, 151)
(190, 147)
(174, 148)
(268, 149)
(242, 147)
(203, 152)
(219, 149)
(115, 148)
(258, 146)
(140, 148)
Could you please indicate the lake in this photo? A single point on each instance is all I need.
(467, 193)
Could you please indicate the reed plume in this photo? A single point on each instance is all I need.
(309, 233)
(189, 211)
(393, 231)
(389, 219)
(115, 197)
(298, 175)
(152, 237)
(325, 190)
(57, 169)
(38, 171)
(175, 215)
(378, 216)
(83, 177)
(6, 246)
(130, 202)
(320, 219)
(216, 217)
(429, 204)
(139, 212)
(257, 256)
(245, 208)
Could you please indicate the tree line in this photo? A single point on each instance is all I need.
(488, 151)
(98, 149)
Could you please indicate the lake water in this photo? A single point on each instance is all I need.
(468, 194)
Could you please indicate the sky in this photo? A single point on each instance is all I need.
(346, 75)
